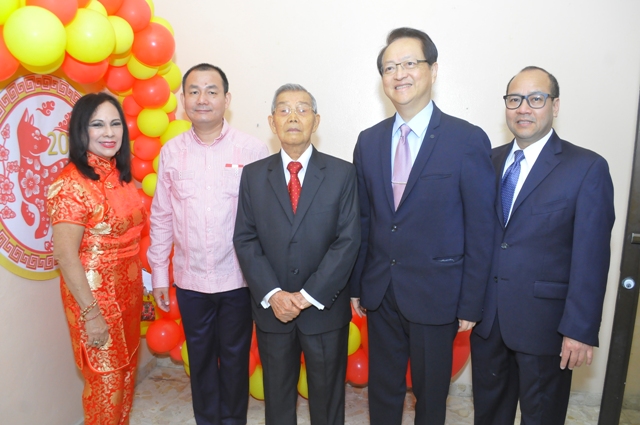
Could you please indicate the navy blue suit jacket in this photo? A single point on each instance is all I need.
(313, 249)
(550, 263)
(436, 248)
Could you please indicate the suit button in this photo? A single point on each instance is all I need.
(295, 271)
(393, 262)
(504, 245)
(394, 228)
(495, 279)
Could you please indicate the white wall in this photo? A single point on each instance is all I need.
(330, 47)
(593, 48)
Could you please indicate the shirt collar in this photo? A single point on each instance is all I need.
(532, 151)
(419, 123)
(223, 133)
(304, 158)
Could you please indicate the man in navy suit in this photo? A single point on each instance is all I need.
(543, 305)
(426, 189)
(297, 236)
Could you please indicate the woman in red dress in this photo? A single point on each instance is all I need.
(97, 217)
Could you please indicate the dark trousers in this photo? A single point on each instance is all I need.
(325, 357)
(218, 329)
(502, 377)
(392, 341)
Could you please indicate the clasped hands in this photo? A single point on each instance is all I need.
(287, 305)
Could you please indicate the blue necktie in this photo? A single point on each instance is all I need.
(509, 182)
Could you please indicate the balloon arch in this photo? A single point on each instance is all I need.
(121, 46)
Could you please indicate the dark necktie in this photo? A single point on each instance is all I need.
(509, 182)
(294, 184)
(401, 165)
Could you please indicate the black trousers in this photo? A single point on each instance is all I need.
(392, 341)
(218, 329)
(325, 356)
(502, 377)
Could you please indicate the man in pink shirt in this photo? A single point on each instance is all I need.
(194, 211)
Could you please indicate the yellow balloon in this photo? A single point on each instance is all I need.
(140, 70)
(124, 34)
(256, 385)
(174, 128)
(97, 6)
(151, 6)
(156, 163)
(185, 353)
(164, 23)
(131, 142)
(120, 60)
(35, 36)
(354, 338)
(90, 37)
(144, 325)
(163, 69)
(149, 184)
(303, 388)
(153, 122)
(46, 69)
(125, 93)
(171, 104)
(187, 369)
(7, 7)
(173, 77)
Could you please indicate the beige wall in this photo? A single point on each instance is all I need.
(593, 48)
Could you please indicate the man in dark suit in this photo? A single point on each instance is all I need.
(554, 214)
(426, 190)
(296, 251)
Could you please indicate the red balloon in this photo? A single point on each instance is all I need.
(461, 350)
(357, 320)
(145, 241)
(171, 266)
(65, 10)
(134, 131)
(145, 229)
(83, 3)
(8, 64)
(154, 45)
(364, 336)
(408, 377)
(112, 7)
(163, 335)
(118, 79)
(136, 12)
(140, 168)
(82, 72)
(357, 368)
(146, 203)
(176, 352)
(301, 358)
(172, 116)
(252, 363)
(146, 148)
(130, 106)
(174, 309)
(151, 93)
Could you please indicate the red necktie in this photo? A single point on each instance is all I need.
(294, 184)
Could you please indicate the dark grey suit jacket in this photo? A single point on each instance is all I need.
(314, 250)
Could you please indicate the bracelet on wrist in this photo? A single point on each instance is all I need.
(86, 310)
(87, 319)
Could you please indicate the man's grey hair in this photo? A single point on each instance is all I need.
(293, 87)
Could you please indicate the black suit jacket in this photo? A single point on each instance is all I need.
(550, 263)
(436, 248)
(312, 250)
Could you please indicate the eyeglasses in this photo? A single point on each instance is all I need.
(407, 65)
(301, 109)
(535, 100)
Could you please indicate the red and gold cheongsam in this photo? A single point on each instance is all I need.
(113, 217)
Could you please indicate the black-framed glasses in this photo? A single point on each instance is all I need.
(535, 100)
(407, 65)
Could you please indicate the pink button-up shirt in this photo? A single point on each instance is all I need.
(194, 209)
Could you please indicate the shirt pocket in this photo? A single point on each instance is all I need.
(183, 184)
(231, 181)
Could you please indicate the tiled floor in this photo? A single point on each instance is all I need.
(164, 397)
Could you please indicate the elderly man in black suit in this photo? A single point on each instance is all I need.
(297, 236)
